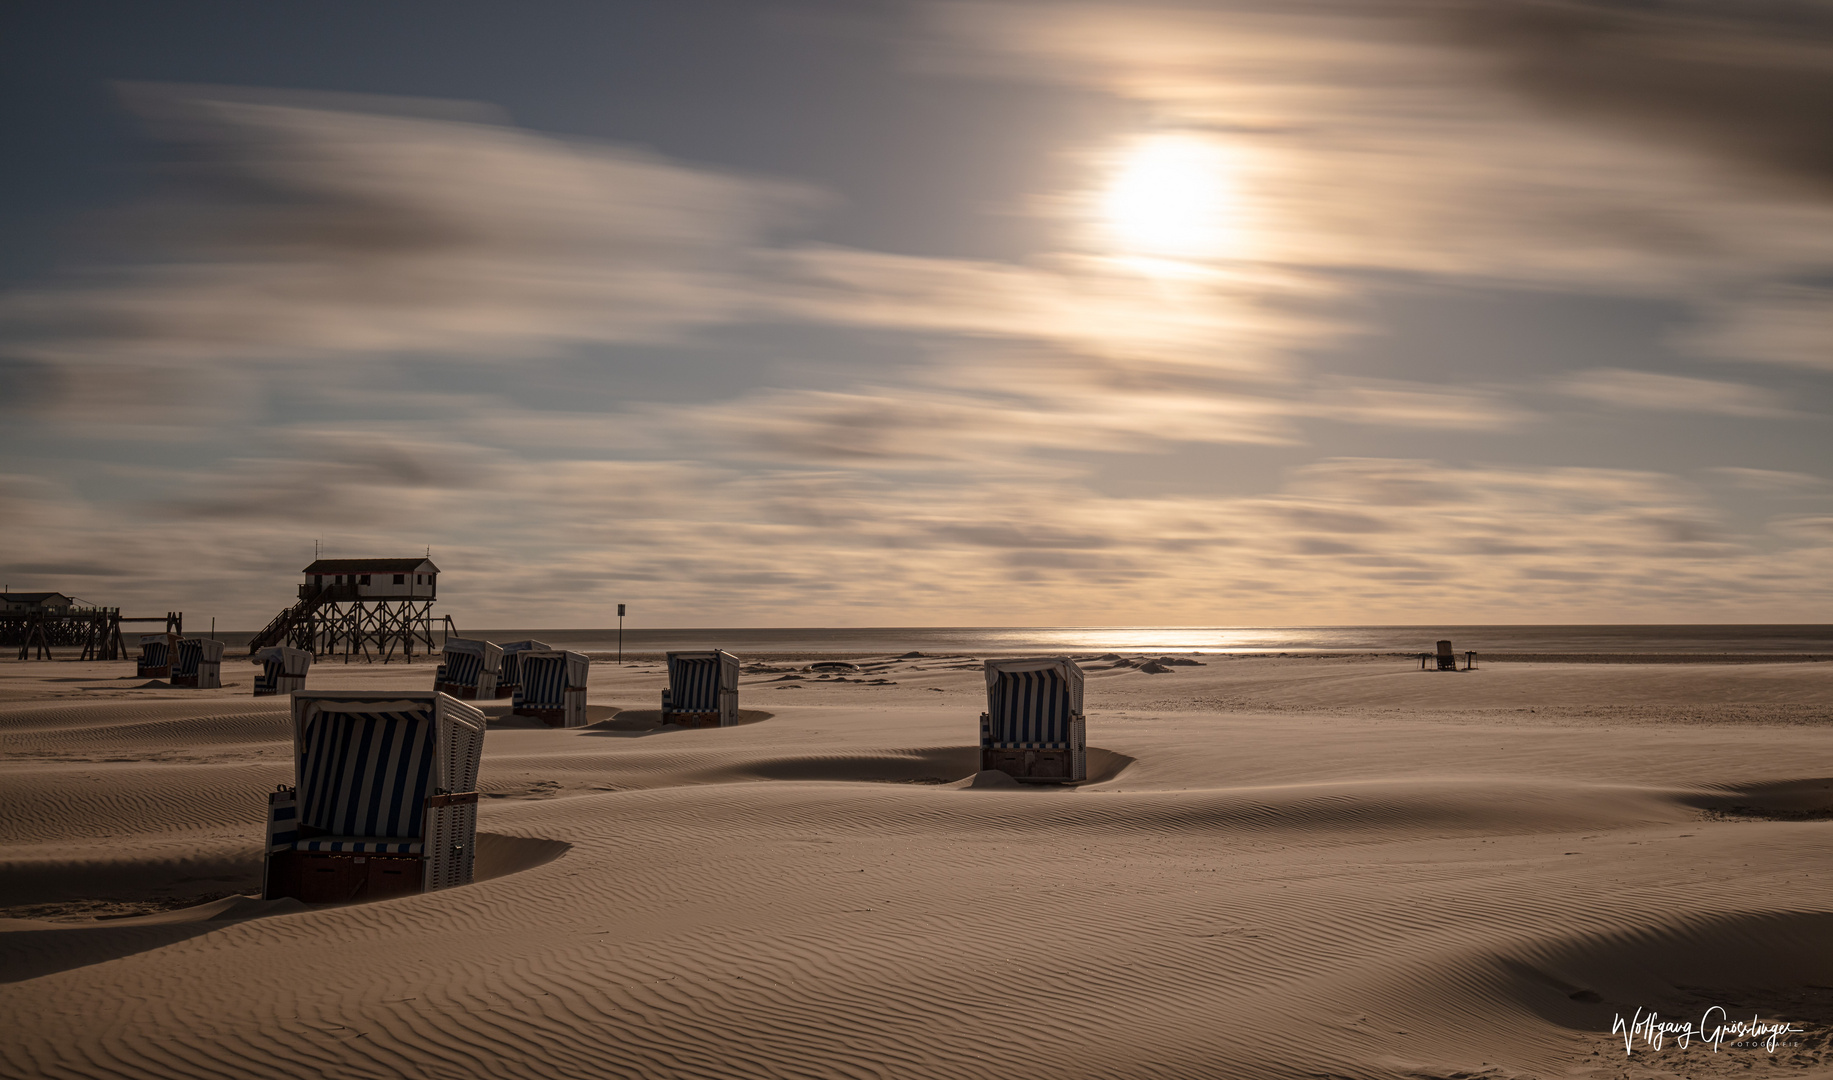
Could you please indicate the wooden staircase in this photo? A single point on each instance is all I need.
(282, 624)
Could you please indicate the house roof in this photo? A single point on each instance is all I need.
(372, 566)
(31, 597)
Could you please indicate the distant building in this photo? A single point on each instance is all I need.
(373, 579)
(24, 603)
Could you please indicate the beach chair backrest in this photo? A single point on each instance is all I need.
(1444, 649)
(512, 651)
(281, 666)
(190, 651)
(463, 668)
(154, 651)
(693, 682)
(1031, 703)
(545, 678)
(366, 770)
(466, 662)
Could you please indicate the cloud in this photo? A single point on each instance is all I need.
(288, 230)
(1425, 137)
(1783, 324)
(1744, 83)
(1768, 481)
(1653, 391)
(1817, 528)
(1353, 539)
(1415, 405)
(365, 260)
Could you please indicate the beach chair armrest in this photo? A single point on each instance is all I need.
(282, 819)
(450, 840)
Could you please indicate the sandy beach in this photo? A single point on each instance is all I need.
(1279, 867)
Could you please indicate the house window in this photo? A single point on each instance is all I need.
(400, 579)
(340, 579)
(365, 579)
(318, 580)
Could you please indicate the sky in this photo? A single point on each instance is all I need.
(938, 312)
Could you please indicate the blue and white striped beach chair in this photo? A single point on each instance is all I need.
(385, 798)
(283, 670)
(198, 663)
(157, 651)
(702, 689)
(553, 686)
(510, 677)
(468, 669)
(1033, 728)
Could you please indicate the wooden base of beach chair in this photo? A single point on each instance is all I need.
(154, 672)
(335, 878)
(184, 680)
(691, 719)
(508, 691)
(1032, 766)
(462, 693)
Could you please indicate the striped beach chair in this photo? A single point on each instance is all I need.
(283, 670)
(510, 676)
(1033, 728)
(702, 689)
(468, 669)
(553, 686)
(157, 651)
(384, 801)
(199, 663)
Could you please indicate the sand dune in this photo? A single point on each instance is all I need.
(1279, 868)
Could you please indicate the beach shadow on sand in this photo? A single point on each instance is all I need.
(635, 723)
(941, 766)
(1781, 800)
(35, 947)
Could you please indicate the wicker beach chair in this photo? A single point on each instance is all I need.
(1033, 729)
(157, 651)
(384, 801)
(468, 669)
(553, 687)
(702, 689)
(283, 670)
(509, 678)
(1447, 660)
(199, 663)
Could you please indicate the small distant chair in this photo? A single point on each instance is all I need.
(283, 670)
(509, 678)
(468, 669)
(384, 801)
(553, 686)
(702, 689)
(1033, 729)
(199, 663)
(1447, 660)
(157, 651)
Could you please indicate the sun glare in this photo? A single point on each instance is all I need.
(1171, 197)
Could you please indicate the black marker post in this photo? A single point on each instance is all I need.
(620, 635)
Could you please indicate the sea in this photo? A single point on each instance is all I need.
(1649, 640)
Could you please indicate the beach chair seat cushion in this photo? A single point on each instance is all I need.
(362, 845)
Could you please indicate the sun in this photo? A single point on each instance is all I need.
(1171, 197)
